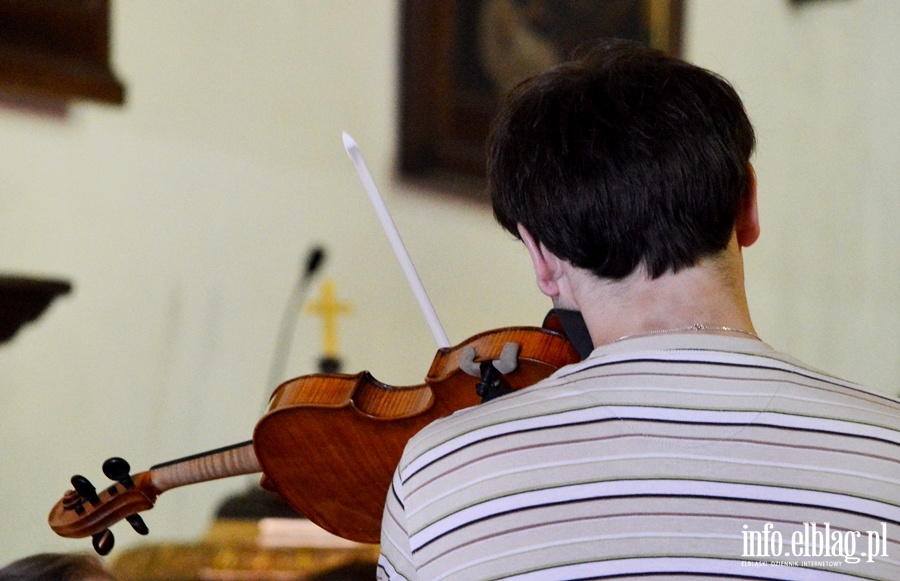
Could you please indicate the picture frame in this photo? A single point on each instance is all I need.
(460, 57)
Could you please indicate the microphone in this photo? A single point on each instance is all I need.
(314, 261)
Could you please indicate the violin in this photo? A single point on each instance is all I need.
(329, 443)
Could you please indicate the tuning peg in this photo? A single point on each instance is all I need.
(103, 542)
(84, 487)
(118, 469)
(138, 524)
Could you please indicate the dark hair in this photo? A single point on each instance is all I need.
(55, 567)
(624, 157)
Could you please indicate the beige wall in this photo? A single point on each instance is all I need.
(181, 218)
(820, 83)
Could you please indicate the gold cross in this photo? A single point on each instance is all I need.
(329, 308)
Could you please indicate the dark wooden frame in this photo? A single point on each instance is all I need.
(57, 50)
(443, 122)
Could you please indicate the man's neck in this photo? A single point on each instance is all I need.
(709, 294)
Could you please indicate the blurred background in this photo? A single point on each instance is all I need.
(183, 215)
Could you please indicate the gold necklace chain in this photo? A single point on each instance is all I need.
(694, 327)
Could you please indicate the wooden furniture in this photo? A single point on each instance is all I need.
(22, 300)
(235, 550)
(57, 50)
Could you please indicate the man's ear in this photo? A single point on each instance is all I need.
(747, 225)
(546, 264)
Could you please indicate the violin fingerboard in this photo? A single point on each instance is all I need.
(220, 463)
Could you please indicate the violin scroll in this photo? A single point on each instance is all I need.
(84, 512)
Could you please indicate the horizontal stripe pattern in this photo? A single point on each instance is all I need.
(669, 568)
(649, 458)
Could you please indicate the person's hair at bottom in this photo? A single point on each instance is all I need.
(56, 567)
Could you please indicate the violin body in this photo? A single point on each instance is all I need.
(315, 423)
(329, 443)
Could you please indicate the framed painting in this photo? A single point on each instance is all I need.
(460, 57)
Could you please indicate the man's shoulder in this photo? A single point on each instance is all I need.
(659, 372)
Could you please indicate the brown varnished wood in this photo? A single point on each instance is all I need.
(358, 427)
(116, 503)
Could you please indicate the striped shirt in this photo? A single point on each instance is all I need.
(666, 456)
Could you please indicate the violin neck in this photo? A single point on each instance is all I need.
(220, 463)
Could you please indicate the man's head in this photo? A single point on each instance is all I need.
(626, 157)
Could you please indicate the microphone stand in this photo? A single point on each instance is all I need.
(289, 317)
(256, 503)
